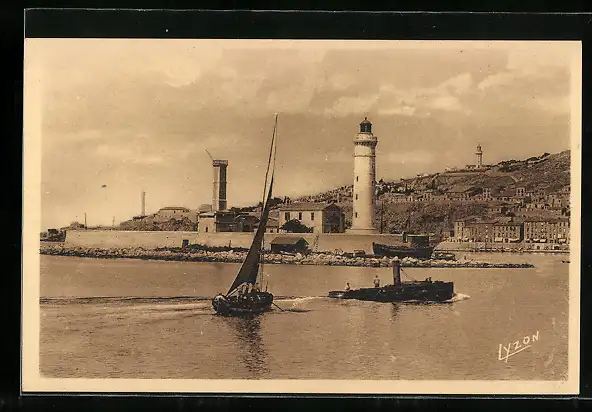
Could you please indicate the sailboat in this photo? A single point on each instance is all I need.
(244, 295)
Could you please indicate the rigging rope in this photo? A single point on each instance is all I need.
(403, 272)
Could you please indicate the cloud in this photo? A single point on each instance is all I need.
(133, 155)
(399, 110)
(448, 103)
(498, 79)
(412, 156)
(345, 106)
(456, 85)
(341, 81)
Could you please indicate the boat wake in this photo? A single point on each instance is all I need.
(122, 299)
(116, 305)
(458, 297)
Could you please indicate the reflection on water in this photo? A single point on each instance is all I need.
(252, 350)
(395, 308)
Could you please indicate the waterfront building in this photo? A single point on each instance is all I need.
(364, 192)
(290, 244)
(546, 230)
(217, 221)
(508, 232)
(321, 217)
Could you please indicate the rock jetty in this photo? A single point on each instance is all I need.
(232, 256)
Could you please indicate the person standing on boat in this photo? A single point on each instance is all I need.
(376, 281)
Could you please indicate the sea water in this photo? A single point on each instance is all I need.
(151, 319)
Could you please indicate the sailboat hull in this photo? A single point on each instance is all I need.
(255, 302)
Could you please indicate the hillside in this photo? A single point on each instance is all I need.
(436, 217)
(169, 225)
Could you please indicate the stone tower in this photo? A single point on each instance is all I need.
(219, 198)
(364, 195)
(479, 154)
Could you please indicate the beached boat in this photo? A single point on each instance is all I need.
(244, 295)
(419, 252)
(422, 291)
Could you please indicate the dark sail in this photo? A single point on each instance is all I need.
(250, 268)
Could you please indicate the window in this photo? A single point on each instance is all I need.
(287, 216)
(356, 197)
(356, 178)
(311, 215)
(356, 214)
(299, 215)
(206, 229)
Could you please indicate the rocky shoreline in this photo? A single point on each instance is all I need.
(231, 256)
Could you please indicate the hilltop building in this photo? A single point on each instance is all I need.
(176, 212)
(364, 190)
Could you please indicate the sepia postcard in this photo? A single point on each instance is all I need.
(301, 216)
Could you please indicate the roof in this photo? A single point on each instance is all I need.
(545, 219)
(271, 222)
(509, 223)
(485, 222)
(175, 208)
(468, 219)
(461, 188)
(287, 240)
(306, 206)
(506, 193)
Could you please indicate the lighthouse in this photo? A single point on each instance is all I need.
(364, 194)
(479, 154)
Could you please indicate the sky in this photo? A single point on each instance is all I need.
(119, 116)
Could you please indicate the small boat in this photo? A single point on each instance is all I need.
(423, 291)
(444, 256)
(420, 252)
(244, 295)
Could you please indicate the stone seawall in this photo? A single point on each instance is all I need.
(151, 240)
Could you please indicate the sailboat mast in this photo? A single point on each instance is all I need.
(271, 150)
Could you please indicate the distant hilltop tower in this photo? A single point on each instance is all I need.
(143, 203)
(479, 154)
(219, 198)
(364, 179)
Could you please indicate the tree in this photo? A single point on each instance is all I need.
(294, 226)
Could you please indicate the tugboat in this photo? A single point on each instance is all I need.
(244, 296)
(426, 291)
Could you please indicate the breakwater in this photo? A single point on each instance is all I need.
(237, 256)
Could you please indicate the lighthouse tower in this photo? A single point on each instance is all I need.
(364, 193)
(479, 154)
